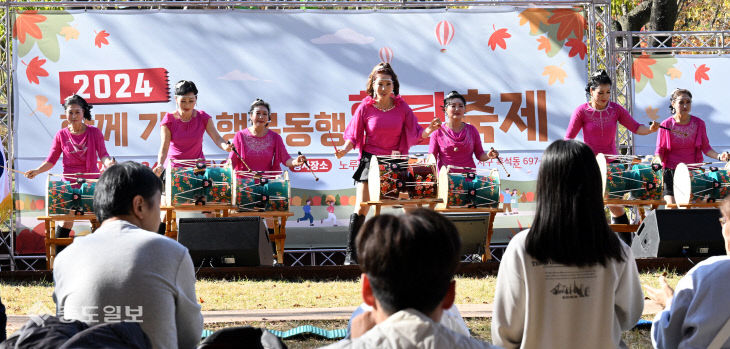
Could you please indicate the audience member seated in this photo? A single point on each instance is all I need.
(568, 281)
(696, 314)
(126, 272)
(3, 322)
(408, 265)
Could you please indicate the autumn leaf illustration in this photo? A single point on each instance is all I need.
(535, 16)
(701, 73)
(641, 67)
(554, 73)
(498, 38)
(651, 113)
(26, 23)
(69, 33)
(577, 47)
(33, 70)
(674, 73)
(42, 105)
(544, 44)
(100, 38)
(570, 21)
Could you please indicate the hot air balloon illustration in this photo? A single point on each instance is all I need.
(386, 54)
(444, 33)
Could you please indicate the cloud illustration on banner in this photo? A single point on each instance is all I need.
(343, 36)
(237, 75)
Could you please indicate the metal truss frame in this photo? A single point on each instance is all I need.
(597, 16)
(625, 45)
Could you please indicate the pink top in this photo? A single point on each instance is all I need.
(79, 151)
(380, 133)
(331, 209)
(456, 148)
(260, 153)
(186, 141)
(599, 126)
(674, 148)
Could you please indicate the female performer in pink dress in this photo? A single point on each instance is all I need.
(687, 145)
(261, 148)
(455, 142)
(81, 145)
(182, 131)
(383, 124)
(599, 119)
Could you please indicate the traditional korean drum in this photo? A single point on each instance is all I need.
(630, 180)
(199, 182)
(698, 184)
(474, 189)
(69, 197)
(394, 178)
(262, 191)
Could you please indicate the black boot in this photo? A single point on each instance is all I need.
(61, 232)
(623, 219)
(356, 221)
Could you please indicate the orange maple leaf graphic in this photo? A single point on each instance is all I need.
(497, 38)
(554, 73)
(577, 47)
(25, 23)
(701, 73)
(641, 67)
(651, 113)
(100, 38)
(570, 21)
(535, 16)
(69, 33)
(544, 44)
(34, 69)
(674, 73)
(42, 105)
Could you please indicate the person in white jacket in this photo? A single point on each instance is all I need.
(568, 281)
(408, 265)
(696, 314)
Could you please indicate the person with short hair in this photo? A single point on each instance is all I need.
(382, 125)
(408, 265)
(685, 143)
(457, 143)
(127, 272)
(568, 281)
(181, 132)
(696, 313)
(80, 145)
(599, 119)
(261, 148)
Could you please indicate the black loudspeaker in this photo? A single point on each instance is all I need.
(472, 228)
(679, 233)
(226, 241)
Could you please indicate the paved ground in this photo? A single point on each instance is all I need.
(304, 314)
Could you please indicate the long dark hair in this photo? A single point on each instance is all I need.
(81, 102)
(570, 224)
(383, 68)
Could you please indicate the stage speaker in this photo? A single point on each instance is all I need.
(226, 241)
(679, 233)
(472, 228)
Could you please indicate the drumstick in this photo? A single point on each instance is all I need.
(500, 162)
(670, 130)
(333, 143)
(13, 170)
(239, 156)
(309, 168)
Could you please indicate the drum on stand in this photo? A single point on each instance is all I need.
(199, 182)
(694, 184)
(263, 191)
(394, 178)
(469, 189)
(630, 180)
(65, 197)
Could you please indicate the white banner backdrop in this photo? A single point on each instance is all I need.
(656, 77)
